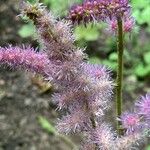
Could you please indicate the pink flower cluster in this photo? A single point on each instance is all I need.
(24, 58)
(138, 120)
(103, 10)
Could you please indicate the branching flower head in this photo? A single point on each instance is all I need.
(103, 10)
(83, 88)
(128, 24)
(25, 58)
(98, 10)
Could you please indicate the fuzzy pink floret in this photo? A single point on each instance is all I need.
(74, 122)
(103, 136)
(24, 58)
(128, 24)
(131, 122)
(143, 106)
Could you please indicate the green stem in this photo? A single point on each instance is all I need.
(120, 47)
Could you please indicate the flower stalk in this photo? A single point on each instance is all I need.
(119, 79)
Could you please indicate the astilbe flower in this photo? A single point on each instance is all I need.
(103, 136)
(143, 106)
(139, 120)
(61, 42)
(129, 142)
(25, 58)
(128, 24)
(83, 89)
(103, 10)
(136, 124)
(76, 121)
(131, 122)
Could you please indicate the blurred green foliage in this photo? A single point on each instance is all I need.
(141, 11)
(26, 30)
(148, 148)
(47, 126)
(90, 33)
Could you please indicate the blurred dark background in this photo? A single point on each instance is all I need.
(23, 98)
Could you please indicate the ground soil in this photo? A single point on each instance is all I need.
(21, 103)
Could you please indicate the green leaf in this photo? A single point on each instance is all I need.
(147, 57)
(142, 70)
(145, 14)
(140, 3)
(32, 1)
(94, 60)
(113, 56)
(58, 6)
(46, 125)
(89, 33)
(144, 17)
(148, 147)
(111, 64)
(26, 30)
(141, 11)
(137, 14)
